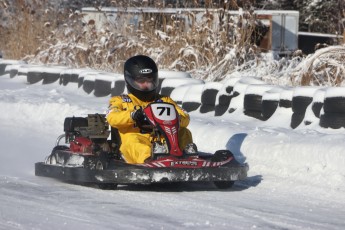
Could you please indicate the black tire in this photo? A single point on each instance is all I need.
(268, 108)
(88, 86)
(224, 100)
(13, 73)
(208, 96)
(229, 89)
(296, 119)
(60, 147)
(252, 102)
(2, 68)
(102, 88)
(234, 94)
(223, 184)
(332, 120)
(316, 108)
(221, 155)
(166, 91)
(231, 110)
(118, 88)
(66, 78)
(285, 103)
(34, 77)
(49, 78)
(334, 105)
(206, 108)
(255, 114)
(190, 106)
(219, 110)
(218, 156)
(300, 103)
(107, 186)
(223, 104)
(80, 81)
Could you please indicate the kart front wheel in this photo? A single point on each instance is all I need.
(224, 184)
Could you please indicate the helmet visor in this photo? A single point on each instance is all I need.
(144, 83)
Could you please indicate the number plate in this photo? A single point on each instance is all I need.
(163, 111)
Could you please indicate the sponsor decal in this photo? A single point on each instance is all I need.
(145, 71)
(126, 98)
(167, 122)
(184, 163)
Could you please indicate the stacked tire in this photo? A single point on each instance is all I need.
(313, 111)
(224, 96)
(208, 96)
(192, 99)
(301, 99)
(4, 63)
(333, 114)
(169, 84)
(179, 93)
(252, 104)
(239, 92)
(104, 84)
(70, 76)
(270, 102)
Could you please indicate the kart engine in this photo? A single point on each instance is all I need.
(87, 134)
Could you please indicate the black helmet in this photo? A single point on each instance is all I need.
(141, 67)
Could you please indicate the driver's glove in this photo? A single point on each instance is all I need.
(137, 115)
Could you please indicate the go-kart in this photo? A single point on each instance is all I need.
(91, 154)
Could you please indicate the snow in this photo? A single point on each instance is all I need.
(295, 180)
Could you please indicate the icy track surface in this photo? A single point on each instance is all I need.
(296, 177)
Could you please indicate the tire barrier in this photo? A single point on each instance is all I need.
(237, 95)
(14, 70)
(168, 74)
(270, 102)
(317, 103)
(169, 84)
(316, 107)
(303, 96)
(23, 70)
(332, 120)
(224, 96)
(252, 103)
(70, 76)
(334, 104)
(192, 99)
(88, 84)
(34, 75)
(5, 62)
(312, 114)
(104, 83)
(333, 113)
(118, 86)
(52, 74)
(208, 96)
(285, 100)
(164, 74)
(86, 79)
(178, 94)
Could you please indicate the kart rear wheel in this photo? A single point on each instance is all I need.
(107, 186)
(223, 184)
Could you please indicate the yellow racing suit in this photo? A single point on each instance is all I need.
(135, 146)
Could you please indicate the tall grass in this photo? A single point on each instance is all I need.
(211, 47)
(25, 26)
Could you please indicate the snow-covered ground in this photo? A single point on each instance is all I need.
(296, 177)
